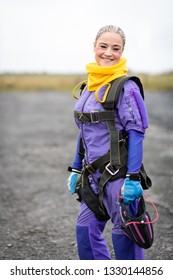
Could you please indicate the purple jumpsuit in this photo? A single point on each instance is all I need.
(95, 136)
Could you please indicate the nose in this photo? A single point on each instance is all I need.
(108, 52)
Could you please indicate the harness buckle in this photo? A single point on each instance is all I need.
(122, 140)
(94, 116)
(83, 118)
(111, 170)
(90, 168)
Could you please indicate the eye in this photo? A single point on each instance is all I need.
(116, 49)
(103, 46)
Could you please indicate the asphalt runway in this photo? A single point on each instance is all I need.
(37, 143)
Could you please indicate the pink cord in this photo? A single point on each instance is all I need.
(149, 222)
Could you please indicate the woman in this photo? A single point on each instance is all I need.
(108, 48)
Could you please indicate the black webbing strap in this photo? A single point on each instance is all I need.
(109, 106)
(91, 199)
(93, 117)
(114, 92)
(116, 88)
(145, 179)
(112, 174)
(114, 143)
(95, 165)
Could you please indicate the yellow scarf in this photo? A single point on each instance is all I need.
(99, 76)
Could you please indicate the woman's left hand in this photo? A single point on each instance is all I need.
(132, 190)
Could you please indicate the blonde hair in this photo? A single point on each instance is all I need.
(111, 28)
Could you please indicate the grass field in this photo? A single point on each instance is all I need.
(66, 82)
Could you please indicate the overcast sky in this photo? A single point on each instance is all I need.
(57, 36)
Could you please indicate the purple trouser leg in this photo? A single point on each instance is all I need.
(126, 249)
(91, 244)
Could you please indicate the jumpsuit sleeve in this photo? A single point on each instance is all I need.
(132, 113)
(77, 162)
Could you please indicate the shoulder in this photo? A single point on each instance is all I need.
(132, 88)
(131, 104)
(132, 84)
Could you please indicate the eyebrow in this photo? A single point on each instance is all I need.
(101, 43)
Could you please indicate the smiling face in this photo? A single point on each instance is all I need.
(108, 49)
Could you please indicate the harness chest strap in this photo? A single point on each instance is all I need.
(93, 117)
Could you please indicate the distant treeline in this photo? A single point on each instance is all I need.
(66, 82)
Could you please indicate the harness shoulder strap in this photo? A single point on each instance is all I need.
(109, 105)
(116, 89)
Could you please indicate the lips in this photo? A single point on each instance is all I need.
(107, 59)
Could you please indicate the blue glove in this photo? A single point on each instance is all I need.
(131, 190)
(73, 182)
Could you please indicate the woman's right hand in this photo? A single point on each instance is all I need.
(73, 182)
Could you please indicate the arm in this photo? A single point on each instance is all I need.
(135, 151)
(74, 178)
(132, 187)
(134, 117)
(77, 163)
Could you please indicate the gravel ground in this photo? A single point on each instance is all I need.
(37, 143)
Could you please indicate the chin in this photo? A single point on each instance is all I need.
(107, 64)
